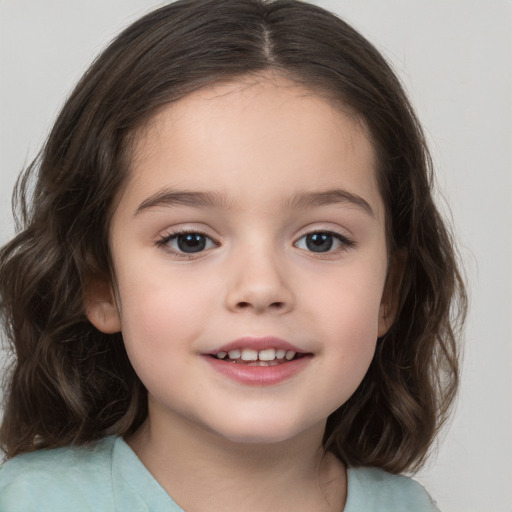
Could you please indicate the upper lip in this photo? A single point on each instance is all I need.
(257, 343)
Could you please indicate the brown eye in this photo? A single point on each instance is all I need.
(191, 242)
(323, 241)
(319, 242)
(187, 242)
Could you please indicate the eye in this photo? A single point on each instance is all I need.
(187, 242)
(323, 241)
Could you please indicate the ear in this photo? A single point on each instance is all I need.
(101, 307)
(391, 295)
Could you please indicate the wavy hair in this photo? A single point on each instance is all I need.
(70, 383)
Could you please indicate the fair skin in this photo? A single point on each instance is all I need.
(276, 190)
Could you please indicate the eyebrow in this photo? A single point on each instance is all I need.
(170, 198)
(330, 197)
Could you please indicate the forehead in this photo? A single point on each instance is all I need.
(240, 135)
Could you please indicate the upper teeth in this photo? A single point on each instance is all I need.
(268, 354)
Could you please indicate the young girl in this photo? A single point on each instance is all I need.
(231, 289)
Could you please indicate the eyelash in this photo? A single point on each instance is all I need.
(165, 239)
(344, 242)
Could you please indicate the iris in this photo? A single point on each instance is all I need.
(319, 242)
(191, 242)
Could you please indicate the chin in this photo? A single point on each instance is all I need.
(265, 432)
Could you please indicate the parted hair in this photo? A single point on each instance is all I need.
(70, 384)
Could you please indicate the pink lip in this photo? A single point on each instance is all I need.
(256, 343)
(258, 375)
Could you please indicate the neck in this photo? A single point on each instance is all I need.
(203, 471)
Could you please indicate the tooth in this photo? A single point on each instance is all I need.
(221, 355)
(248, 355)
(234, 354)
(280, 353)
(290, 355)
(267, 355)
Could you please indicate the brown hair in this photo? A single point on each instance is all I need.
(70, 383)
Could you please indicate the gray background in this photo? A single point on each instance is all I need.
(454, 57)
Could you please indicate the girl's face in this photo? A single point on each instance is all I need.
(251, 227)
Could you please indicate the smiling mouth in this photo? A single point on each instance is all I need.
(265, 357)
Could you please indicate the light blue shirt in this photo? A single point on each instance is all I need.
(108, 477)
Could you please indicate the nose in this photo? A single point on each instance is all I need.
(258, 283)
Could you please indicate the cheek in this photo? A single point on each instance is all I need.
(158, 328)
(158, 315)
(353, 336)
(349, 301)
(351, 333)
(346, 317)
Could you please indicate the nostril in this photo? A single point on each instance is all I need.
(273, 305)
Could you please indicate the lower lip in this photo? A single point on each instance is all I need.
(259, 375)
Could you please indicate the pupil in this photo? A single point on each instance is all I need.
(191, 242)
(319, 242)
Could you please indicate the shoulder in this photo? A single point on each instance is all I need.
(375, 489)
(52, 479)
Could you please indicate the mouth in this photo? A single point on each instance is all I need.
(253, 357)
(259, 361)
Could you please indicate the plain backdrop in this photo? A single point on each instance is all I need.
(454, 58)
